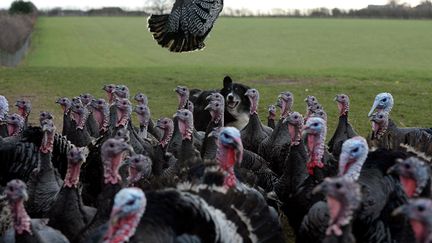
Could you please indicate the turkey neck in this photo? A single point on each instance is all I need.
(343, 109)
(111, 167)
(353, 167)
(186, 129)
(80, 118)
(14, 130)
(341, 213)
(217, 119)
(166, 137)
(227, 158)
(120, 230)
(46, 149)
(380, 129)
(45, 163)
(286, 109)
(144, 123)
(123, 117)
(22, 222)
(66, 108)
(294, 132)
(102, 118)
(271, 122)
(254, 123)
(316, 148)
(24, 113)
(72, 175)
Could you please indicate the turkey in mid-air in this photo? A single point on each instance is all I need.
(186, 27)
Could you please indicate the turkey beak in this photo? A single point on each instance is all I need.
(214, 133)
(239, 149)
(127, 161)
(374, 106)
(335, 98)
(321, 188)
(279, 102)
(115, 215)
(208, 107)
(23, 194)
(177, 114)
(394, 170)
(46, 127)
(402, 210)
(127, 147)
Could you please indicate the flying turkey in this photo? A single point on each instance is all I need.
(187, 26)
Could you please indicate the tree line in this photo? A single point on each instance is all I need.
(391, 10)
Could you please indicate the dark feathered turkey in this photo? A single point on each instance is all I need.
(188, 24)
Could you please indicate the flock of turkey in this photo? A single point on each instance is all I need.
(102, 179)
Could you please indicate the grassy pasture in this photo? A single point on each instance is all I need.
(320, 57)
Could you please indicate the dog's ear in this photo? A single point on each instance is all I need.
(227, 81)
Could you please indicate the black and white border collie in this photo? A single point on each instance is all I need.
(237, 105)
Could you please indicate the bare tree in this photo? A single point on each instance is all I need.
(159, 6)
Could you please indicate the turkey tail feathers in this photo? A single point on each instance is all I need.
(174, 41)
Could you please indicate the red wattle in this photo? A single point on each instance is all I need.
(409, 185)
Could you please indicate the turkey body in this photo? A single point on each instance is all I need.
(186, 27)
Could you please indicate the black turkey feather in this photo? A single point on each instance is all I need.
(188, 24)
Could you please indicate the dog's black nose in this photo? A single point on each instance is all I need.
(230, 97)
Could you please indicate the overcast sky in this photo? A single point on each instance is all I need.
(250, 4)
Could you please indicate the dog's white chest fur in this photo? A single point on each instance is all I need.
(241, 122)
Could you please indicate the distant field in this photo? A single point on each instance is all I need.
(320, 57)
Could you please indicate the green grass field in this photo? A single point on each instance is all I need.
(320, 57)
